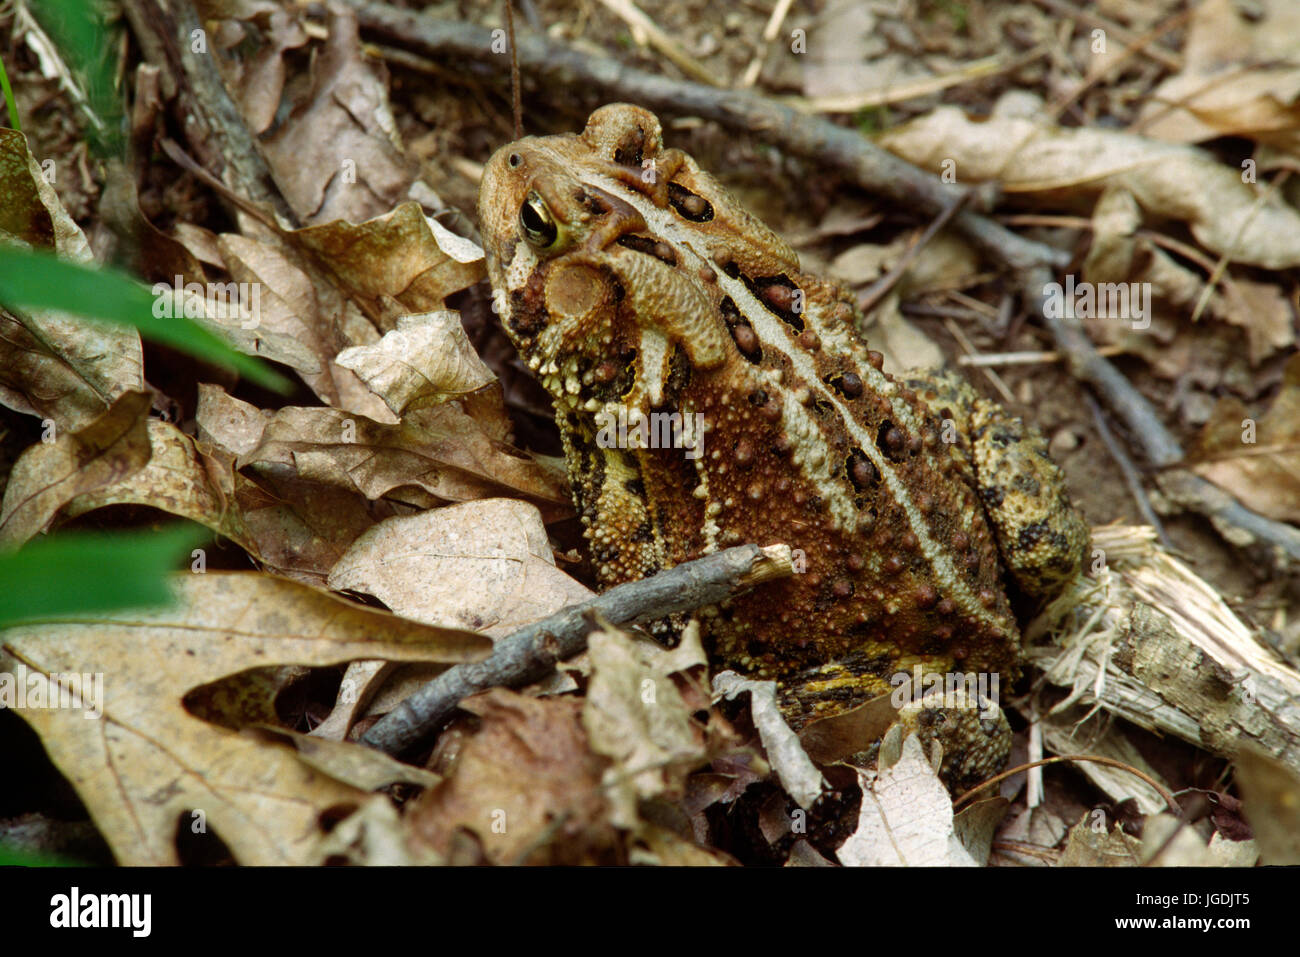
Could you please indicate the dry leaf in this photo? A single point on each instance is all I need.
(527, 786)
(147, 763)
(906, 818)
(799, 776)
(49, 475)
(440, 450)
(58, 368)
(1239, 78)
(636, 716)
(484, 565)
(1168, 181)
(1257, 462)
(426, 361)
(344, 123)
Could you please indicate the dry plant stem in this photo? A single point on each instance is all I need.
(1174, 806)
(1157, 52)
(532, 652)
(212, 122)
(880, 288)
(1126, 467)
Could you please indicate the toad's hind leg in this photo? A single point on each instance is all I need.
(1041, 536)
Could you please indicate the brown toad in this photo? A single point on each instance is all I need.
(648, 302)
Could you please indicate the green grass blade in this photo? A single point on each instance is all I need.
(8, 92)
(34, 280)
(85, 572)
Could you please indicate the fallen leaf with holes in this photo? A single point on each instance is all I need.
(147, 763)
(485, 565)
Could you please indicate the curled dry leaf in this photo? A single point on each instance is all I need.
(1091, 845)
(345, 124)
(426, 361)
(63, 369)
(294, 301)
(799, 776)
(439, 450)
(1256, 461)
(49, 475)
(1169, 181)
(484, 565)
(1239, 78)
(301, 528)
(363, 768)
(401, 256)
(146, 763)
(527, 786)
(636, 716)
(257, 76)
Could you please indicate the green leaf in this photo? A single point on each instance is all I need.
(78, 572)
(12, 857)
(37, 280)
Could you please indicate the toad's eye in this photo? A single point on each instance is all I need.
(537, 223)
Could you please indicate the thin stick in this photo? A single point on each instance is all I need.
(880, 288)
(1174, 806)
(1126, 467)
(770, 31)
(531, 653)
(516, 99)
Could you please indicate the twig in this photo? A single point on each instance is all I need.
(1158, 443)
(1095, 75)
(769, 34)
(1026, 358)
(1221, 267)
(1126, 467)
(636, 18)
(531, 653)
(213, 125)
(900, 93)
(991, 374)
(880, 288)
